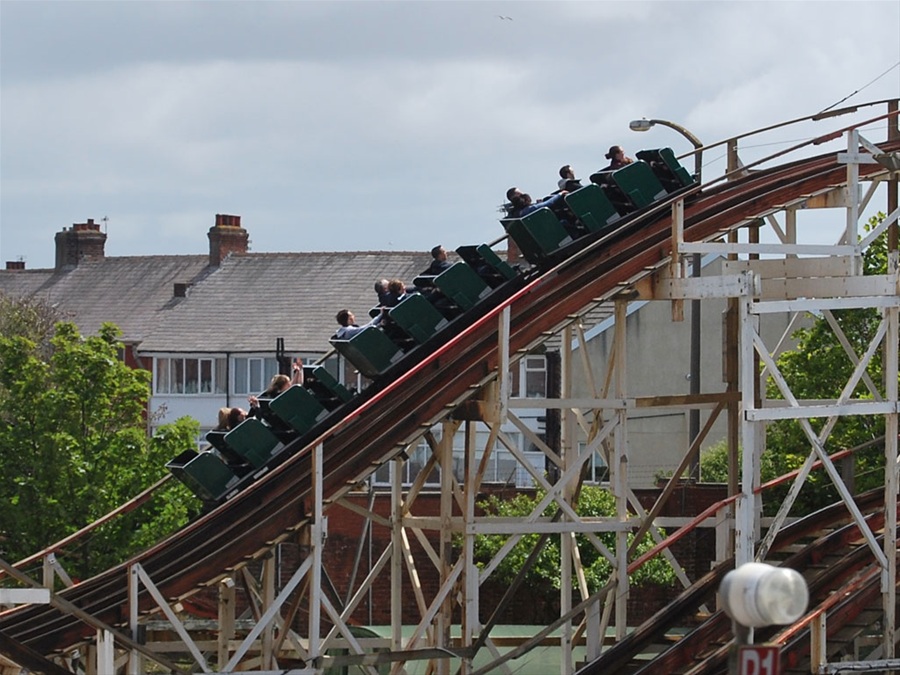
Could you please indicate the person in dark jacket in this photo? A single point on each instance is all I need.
(439, 261)
(617, 158)
(521, 203)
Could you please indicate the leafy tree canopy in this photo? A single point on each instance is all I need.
(592, 501)
(74, 445)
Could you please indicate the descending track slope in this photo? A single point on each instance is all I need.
(406, 399)
(826, 547)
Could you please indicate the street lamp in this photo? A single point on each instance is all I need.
(756, 595)
(645, 125)
(694, 416)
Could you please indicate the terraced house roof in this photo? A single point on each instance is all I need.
(231, 300)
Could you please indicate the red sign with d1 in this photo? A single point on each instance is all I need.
(759, 660)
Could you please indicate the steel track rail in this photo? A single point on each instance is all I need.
(267, 511)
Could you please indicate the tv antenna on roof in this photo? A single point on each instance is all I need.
(105, 220)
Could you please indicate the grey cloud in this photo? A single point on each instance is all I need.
(332, 125)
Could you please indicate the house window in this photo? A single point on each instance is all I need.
(189, 376)
(252, 374)
(599, 471)
(501, 467)
(535, 376)
(528, 378)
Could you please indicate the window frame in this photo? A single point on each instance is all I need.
(171, 375)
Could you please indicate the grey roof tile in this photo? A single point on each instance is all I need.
(241, 306)
(127, 291)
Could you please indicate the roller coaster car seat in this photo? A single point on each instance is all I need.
(424, 285)
(667, 168)
(370, 351)
(254, 441)
(487, 264)
(630, 188)
(298, 408)
(424, 281)
(537, 235)
(417, 318)
(264, 412)
(204, 473)
(325, 387)
(460, 283)
(396, 334)
(593, 208)
(216, 438)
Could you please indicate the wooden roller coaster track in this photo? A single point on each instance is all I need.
(830, 534)
(406, 399)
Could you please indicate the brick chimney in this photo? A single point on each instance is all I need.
(226, 236)
(15, 264)
(79, 242)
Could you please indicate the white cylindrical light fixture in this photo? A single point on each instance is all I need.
(756, 594)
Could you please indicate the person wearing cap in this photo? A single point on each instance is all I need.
(617, 158)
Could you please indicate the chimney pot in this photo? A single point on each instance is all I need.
(15, 264)
(225, 220)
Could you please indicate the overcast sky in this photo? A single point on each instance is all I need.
(382, 125)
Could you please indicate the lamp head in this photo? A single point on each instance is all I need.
(640, 125)
(757, 594)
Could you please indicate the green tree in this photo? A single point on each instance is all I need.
(819, 368)
(593, 501)
(73, 446)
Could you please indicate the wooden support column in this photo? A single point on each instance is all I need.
(445, 615)
(852, 228)
(892, 427)
(745, 519)
(569, 453)
(503, 361)
(818, 639)
(106, 653)
(226, 620)
(397, 553)
(725, 548)
(135, 662)
(891, 482)
(619, 468)
(317, 538)
(267, 639)
(676, 268)
(471, 626)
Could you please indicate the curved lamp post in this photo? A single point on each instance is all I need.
(694, 418)
(645, 125)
